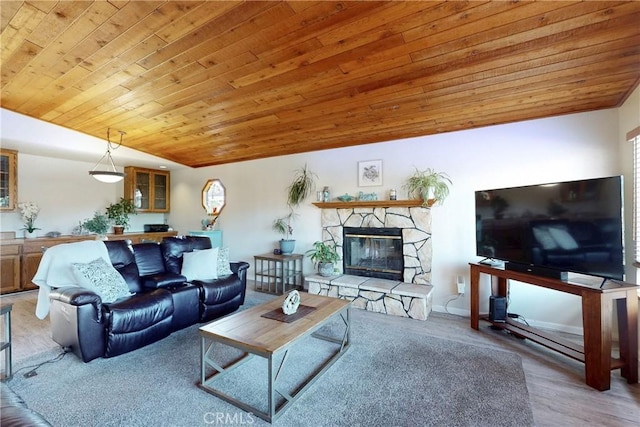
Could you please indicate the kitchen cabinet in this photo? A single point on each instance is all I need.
(8, 180)
(20, 258)
(9, 268)
(148, 188)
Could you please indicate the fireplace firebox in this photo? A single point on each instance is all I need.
(373, 252)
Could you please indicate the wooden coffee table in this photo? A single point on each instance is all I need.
(256, 335)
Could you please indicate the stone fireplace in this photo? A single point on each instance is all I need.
(375, 239)
(413, 222)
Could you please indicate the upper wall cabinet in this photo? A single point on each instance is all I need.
(148, 188)
(8, 179)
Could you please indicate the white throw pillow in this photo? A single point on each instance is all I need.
(224, 269)
(102, 278)
(200, 265)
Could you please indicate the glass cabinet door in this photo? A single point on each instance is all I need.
(8, 179)
(142, 195)
(160, 191)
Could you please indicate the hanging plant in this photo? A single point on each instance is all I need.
(301, 187)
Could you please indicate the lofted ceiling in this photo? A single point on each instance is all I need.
(207, 82)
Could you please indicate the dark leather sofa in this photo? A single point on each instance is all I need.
(162, 300)
(14, 412)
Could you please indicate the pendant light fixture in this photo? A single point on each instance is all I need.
(108, 174)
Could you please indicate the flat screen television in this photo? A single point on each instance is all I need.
(555, 228)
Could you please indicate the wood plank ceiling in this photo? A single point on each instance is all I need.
(207, 82)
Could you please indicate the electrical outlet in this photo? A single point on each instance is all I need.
(461, 284)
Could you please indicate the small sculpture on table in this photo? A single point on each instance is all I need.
(291, 303)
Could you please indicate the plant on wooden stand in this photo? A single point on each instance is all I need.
(303, 184)
(283, 226)
(430, 186)
(324, 256)
(119, 213)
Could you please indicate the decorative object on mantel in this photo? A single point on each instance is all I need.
(428, 184)
(29, 212)
(109, 174)
(373, 204)
(99, 225)
(326, 194)
(302, 185)
(53, 234)
(370, 173)
(367, 196)
(346, 198)
(291, 303)
(119, 213)
(324, 256)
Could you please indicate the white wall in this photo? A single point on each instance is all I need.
(628, 119)
(561, 148)
(66, 195)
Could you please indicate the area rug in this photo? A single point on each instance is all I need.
(389, 377)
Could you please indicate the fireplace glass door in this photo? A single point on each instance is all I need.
(373, 252)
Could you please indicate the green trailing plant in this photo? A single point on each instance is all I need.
(119, 212)
(323, 252)
(302, 186)
(99, 224)
(283, 225)
(428, 183)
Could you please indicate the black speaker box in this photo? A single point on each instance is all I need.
(497, 309)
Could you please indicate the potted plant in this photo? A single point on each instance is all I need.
(283, 226)
(119, 213)
(324, 256)
(430, 186)
(303, 184)
(99, 224)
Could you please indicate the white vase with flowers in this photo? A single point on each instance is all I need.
(29, 212)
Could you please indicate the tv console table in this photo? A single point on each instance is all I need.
(597, 307)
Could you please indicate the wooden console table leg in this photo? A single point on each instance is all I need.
(475, 296)
(627, 309)
(596, 321)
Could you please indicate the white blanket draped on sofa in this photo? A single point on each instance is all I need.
(55, 269)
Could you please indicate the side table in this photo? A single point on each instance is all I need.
(5, 345)
(277, 274)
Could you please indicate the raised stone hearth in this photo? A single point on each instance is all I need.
(377, 295)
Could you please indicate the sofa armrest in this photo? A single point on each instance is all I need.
(77, 296)
(162, 280)
(240, 268)
(77, 321)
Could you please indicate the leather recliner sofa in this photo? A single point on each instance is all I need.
(162, 300)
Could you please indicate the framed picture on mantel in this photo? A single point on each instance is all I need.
(370, 173)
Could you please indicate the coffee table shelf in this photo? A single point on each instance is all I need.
(277, 274)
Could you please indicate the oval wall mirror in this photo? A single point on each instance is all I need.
(213, 197)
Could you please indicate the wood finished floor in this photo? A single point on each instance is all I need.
(558, 394)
